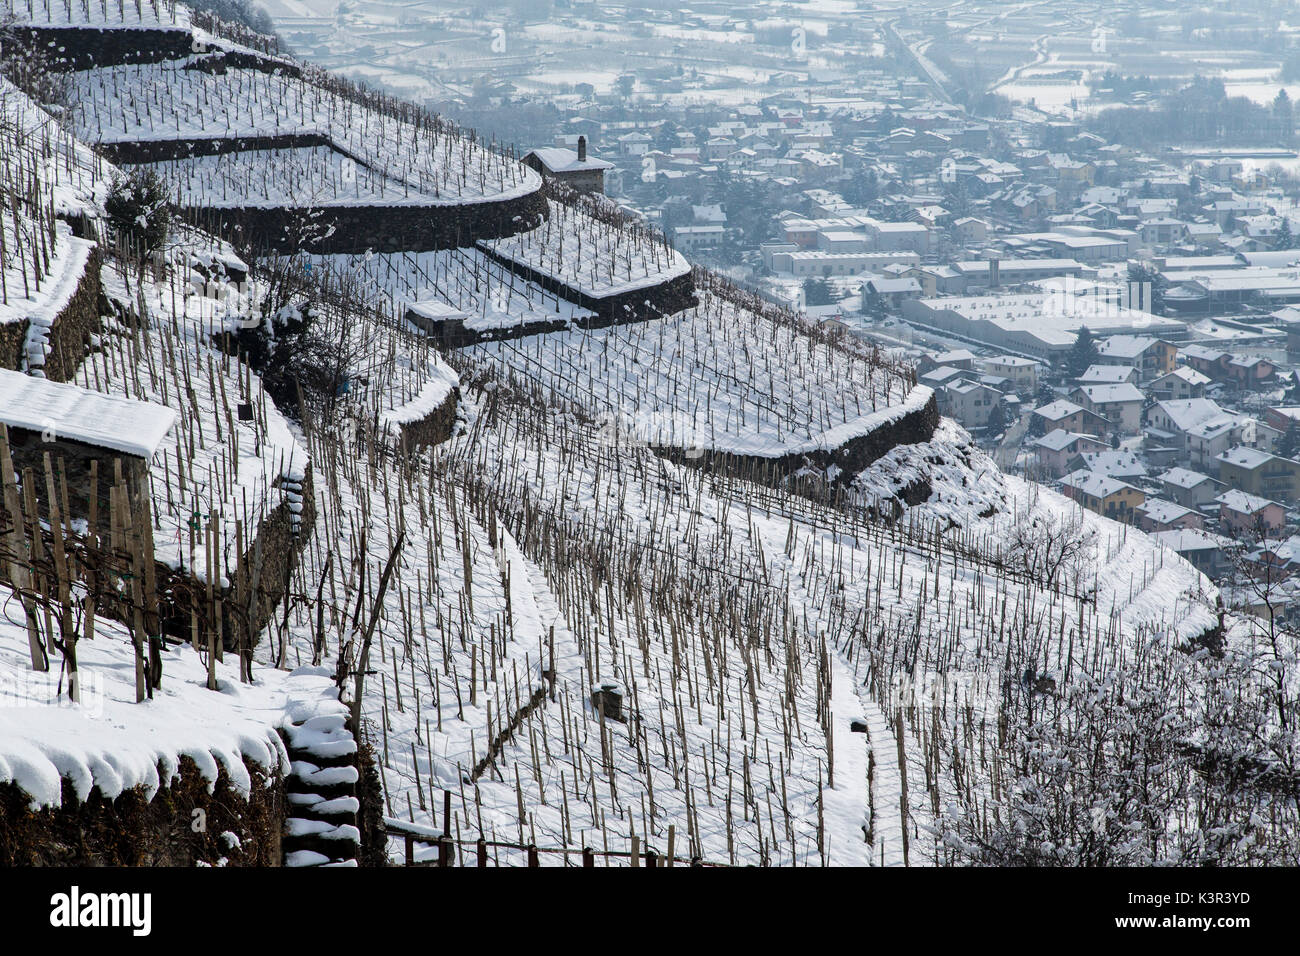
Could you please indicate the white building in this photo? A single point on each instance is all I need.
(1038, 325)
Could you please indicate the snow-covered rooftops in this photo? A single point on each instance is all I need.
(1093, 483)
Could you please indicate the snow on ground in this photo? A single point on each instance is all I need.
(214, 460)
(439, 382)
(167, 101)
(76, 176)
(35, 148)
(965, 482)
(712, 377)
(462, 281)
(728, 744)
(38, 292)
(211, 461)
(147, 14)
(881, 596)
(111, 742)
(746, 627)
(591, 256)
(315, 176)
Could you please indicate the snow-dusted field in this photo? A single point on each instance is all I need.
(210, 463)
(41, 262)
(308, 176)
(800, 683)
(166, 101)
(486, 293)
(148, 15)
(715, 377)
(776, 706)
(591, 256)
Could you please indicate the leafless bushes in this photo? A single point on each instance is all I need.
(28, 67)
(1053, 548)
(299, 340)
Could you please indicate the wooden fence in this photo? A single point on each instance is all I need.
(636, 856)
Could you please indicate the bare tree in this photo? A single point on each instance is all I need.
(1260, 576)
(1051, 547)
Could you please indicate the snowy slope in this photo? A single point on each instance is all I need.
(590, 256)
(165, 101)
(714, 377)
(111, 743)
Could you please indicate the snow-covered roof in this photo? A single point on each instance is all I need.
(1248, 362)
(1242, 502)
(1093, 483)
(1244, 456)
(1117, 464)
(1011, 361)
(899, 227)
(74, 413)
(1202, 352)
(941, 374)
(1213, 428)
(1184, 478)
(956, 355)
(1107, 375)
(1011, 266)
(1057, 410)
(891, 286)
(1164, 512)
(1107, 394)
(1058, 439)
(1187, 374)
(435, 309)
(966, 387)
(1184, 540)
(557, 159)
(1125, 346)
(1187, 413)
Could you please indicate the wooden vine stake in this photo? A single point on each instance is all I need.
(363, 660)
(14, 543)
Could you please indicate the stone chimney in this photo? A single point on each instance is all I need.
(582, 149)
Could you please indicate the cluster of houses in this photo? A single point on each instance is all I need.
(1138, 438)
(894, 196)
(1152, 434)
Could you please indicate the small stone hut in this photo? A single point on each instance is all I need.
(76, 427)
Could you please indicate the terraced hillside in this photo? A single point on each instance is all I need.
(697, 579)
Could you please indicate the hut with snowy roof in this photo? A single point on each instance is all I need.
(576, 169)
(85, 433)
